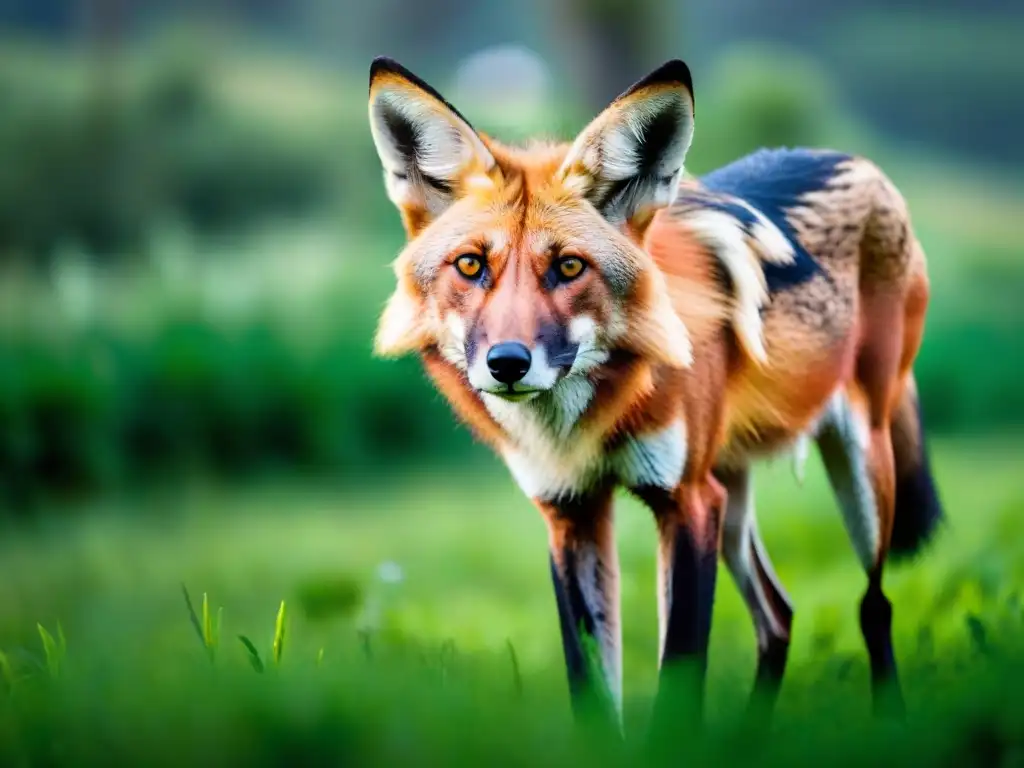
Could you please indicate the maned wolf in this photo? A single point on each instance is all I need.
(603, 320)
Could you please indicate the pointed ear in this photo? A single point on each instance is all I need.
(430, 153)
(629, 160)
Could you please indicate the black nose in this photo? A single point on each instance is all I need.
(508, 361)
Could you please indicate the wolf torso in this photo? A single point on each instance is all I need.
(791, 240)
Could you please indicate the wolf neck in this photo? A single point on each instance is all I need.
(551, 416)
(582, 433)
(547, 447)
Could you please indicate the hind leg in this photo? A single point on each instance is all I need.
(750, 568)
(859, 461)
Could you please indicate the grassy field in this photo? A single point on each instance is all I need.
(420, 624)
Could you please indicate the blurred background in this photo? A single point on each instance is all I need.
(195, 244)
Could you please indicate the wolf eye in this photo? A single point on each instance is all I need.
(469, 266)
(570, 267)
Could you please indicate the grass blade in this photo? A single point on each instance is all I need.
(254, 655)
(51, 650)
(279, 634)
(192, 614)
(364, 640)
(207, 623)
(7, 672)
(216, 628)
(516, 675)
(320, 657)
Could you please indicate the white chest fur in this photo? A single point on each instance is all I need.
(550, 457)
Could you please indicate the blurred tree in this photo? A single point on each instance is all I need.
(606, 45)
(104, 24)
(898, 65)
(51, 17)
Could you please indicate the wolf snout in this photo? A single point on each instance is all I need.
(508, 361)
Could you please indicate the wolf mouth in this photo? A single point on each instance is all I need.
(513, 395)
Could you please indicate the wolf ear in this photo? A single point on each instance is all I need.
(629, 160)
(429, 151)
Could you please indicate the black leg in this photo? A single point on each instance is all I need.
(876, 627)
(771, 669)
(692, 574)
(688, 567)
(584, 572)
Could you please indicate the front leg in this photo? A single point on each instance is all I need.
(585, 572)
(689, 524)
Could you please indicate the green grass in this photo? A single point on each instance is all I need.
(414, 620)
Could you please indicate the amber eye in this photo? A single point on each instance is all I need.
(469, 266)
(570, 267)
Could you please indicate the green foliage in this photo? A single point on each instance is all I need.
(100, 164)
(329, 596)
(967, 374)
(764, 96)
(157, 382)
(901, 81)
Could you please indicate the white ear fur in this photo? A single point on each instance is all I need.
(628, 162)
(426, 147)
(401, 328)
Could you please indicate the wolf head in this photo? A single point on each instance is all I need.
(524, 266)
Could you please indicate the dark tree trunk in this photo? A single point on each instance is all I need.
(606, 45)
(104, 30)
